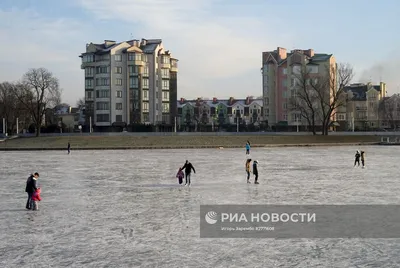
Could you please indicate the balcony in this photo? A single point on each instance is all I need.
(137, 62)
(87, 64)
(165, 65)
(174, 66)
(361, 108)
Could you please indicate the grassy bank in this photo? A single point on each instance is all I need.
(161, 142)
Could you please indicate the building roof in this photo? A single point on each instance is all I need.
(211, 103)
(359, 90)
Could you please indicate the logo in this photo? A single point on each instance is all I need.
(211, 217)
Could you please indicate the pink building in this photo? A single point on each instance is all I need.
(279, 83)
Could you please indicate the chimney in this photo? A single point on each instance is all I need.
(310, 52)
(143, 42)
(182, 100)
(247, 101)
(215, 100)
(282, 54)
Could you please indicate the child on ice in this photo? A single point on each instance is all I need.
(180, 175)
(35, 199)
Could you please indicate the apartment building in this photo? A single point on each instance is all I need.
(220, 112)
(129, 82)
(279, 70)
(361, 110)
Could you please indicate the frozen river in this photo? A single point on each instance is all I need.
(125, 209)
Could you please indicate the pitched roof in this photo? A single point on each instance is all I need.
(360, 90)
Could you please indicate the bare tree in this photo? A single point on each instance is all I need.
(38, 90)
(80, 103)
(389, 110)
(11, 108)
(329, 88)
(303, 99)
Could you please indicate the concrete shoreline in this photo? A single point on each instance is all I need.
(160, 147)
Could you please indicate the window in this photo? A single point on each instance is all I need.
(101, 69)
(144, 57)
(89, 71)
(165, 59)
(165, 107)
(179, 110)
(145, 83)
(102, 94)
(88, 58)
(102, 106)
(102, 82)
(284, 71)
(165, 84)
(146, 118)
(118, 70)
(118, 94)
(164, 73)
(312, 69)
(145, 107)
(135, 94)
(371, 105)
(284, 94)
(292, 82)
(285, 105)
(285, 117)
(138, 57)
(133, 69)
(118, 106)
(341, 117)
(118, 57)
(131, 56)
(89, 95)
(102, 118)
(118, 118)
(174, 63)
(296, 69)
(156, 94)
(284, 83)
(118, 82)
(145, 95)
(89, 83)
(146, 70)
(165, 96)
(133, 82)
(246, 111)
(157, 106)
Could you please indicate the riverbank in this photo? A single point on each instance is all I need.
(178, 142)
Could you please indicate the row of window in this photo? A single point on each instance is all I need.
(118, 106)
(102, 94)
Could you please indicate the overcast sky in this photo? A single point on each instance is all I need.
(218, 42)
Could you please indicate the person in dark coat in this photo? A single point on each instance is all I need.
(69, 148)
(188, 169)
(255, 171)
(357, 158)
(31, 187)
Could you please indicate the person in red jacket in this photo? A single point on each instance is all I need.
(36, 198)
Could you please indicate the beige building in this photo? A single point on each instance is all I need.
(280, 70)
(361, 110)
(129, 82)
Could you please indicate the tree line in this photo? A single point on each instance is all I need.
(29, 98)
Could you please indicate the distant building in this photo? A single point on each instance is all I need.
(129, 82)
(279, 82)
(219, 113)
(362, 106)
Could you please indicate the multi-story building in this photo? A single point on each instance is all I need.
(361, 109)
(129, 82)
(219, 112)
(279, 70)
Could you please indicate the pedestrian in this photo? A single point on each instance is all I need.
(357, 158)
(255, 171)
(69, 148)
(31, 187)
(248, 147)
(180, 175)
(35, 199)
(363, 158)
(188, 169)
(247, 167)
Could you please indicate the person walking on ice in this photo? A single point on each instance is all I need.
(188, 169)
(255, 171)
(363, 159)
(247, 167)
(357, 158)
(247, 147)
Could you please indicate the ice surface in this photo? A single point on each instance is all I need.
(125, 209)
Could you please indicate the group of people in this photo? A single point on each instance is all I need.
(255, 170)
(188, 167)
(33, 192)
(359, 154)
